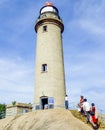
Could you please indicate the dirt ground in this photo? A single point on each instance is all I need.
(53, 119)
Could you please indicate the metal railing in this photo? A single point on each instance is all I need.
(102, 116)
(73, 106)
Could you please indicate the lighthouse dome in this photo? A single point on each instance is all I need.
(48, 8)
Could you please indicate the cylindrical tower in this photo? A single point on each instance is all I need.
(49, 71)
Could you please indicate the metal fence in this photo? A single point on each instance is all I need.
(73, 106)
(102, 116)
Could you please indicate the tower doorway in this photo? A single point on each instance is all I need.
(43, 101)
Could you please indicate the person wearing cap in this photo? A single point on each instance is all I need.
(86, 108)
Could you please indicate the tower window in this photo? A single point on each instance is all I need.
(44, 28)
(44, 67)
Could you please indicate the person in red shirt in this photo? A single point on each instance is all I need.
(93, 117)
(80, 104)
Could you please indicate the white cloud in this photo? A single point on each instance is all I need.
(83, 47)
(85, 75)
(89, 15)
(92, 27)
(16, 80)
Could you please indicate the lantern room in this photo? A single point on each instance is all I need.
(49, 8)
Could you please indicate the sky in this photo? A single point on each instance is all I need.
(83, 47)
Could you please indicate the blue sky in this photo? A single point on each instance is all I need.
(83, 46)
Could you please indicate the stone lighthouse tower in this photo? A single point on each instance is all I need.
(49, 71)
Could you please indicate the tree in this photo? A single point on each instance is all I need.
(2, 110)
(13, 102)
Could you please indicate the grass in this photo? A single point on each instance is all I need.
(83, 118)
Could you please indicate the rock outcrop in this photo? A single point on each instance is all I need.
(52, 119)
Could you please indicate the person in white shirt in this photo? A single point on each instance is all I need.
(66, 102)
(86, 108)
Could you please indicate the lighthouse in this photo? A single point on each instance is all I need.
(49, 68)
